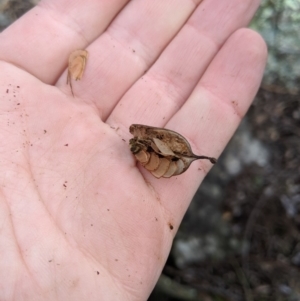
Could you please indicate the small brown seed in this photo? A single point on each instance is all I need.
(153, 162)
(143, 157)
(162, 168)
(171, 170)
(77, 62)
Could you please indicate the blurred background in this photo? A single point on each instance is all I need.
(240, 238)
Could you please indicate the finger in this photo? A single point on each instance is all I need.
(41, 41)
(126, 50)
(162, 91)
(212, 113)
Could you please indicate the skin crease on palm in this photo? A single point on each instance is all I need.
(80, 220)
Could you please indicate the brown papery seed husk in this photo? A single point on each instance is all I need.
(165, 144)
(76, 66)
(77, 62)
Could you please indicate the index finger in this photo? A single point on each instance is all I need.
(41, 41)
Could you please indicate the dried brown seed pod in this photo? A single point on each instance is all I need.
(77, 62)
(163, 152)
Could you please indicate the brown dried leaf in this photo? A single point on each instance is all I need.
(77, 62)
(169, 153)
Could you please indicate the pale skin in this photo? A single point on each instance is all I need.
(80, 220)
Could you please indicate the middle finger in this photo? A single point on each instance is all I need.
(126, 50)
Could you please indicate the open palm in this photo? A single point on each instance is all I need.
(80, 220)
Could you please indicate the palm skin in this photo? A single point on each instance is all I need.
(80, 219)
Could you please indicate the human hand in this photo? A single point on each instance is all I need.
(80, 220)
